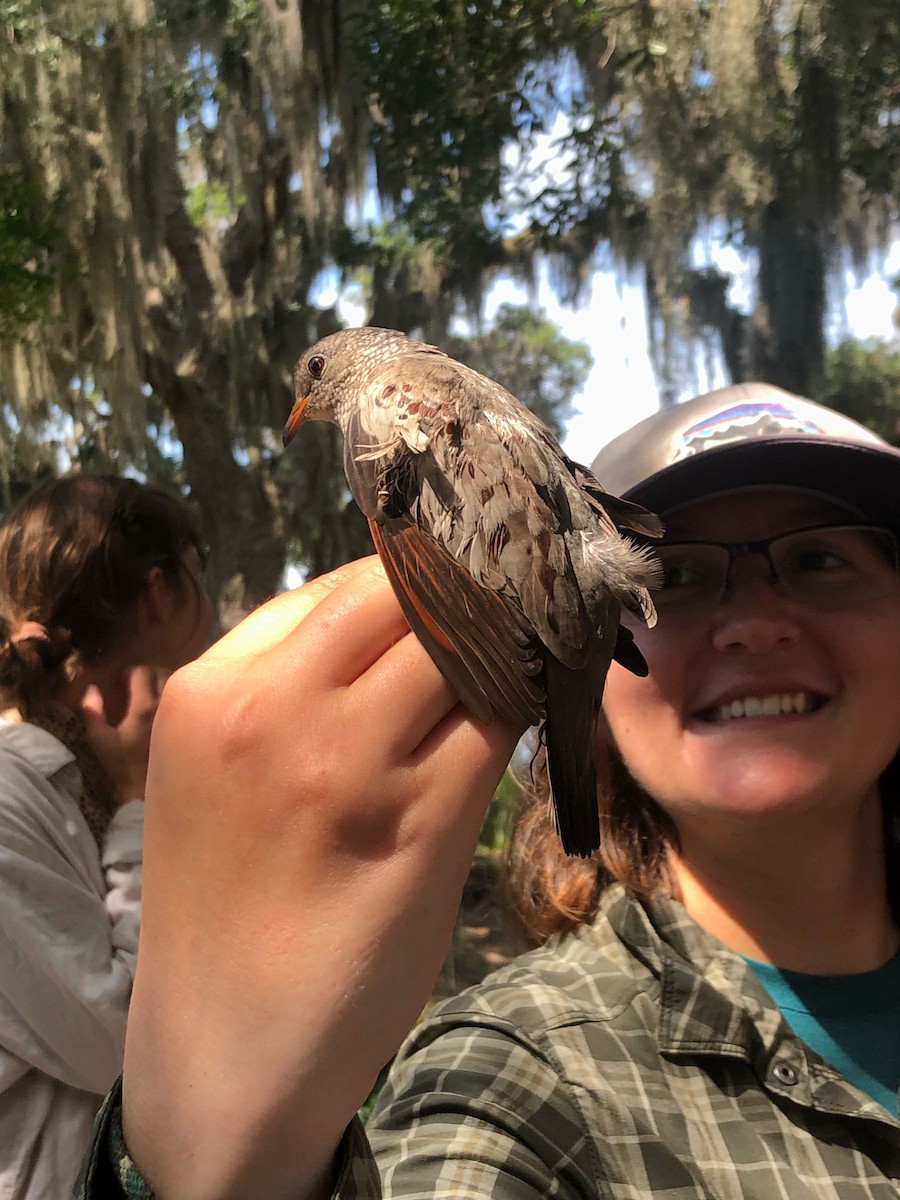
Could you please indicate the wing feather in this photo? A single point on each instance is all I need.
(361, 469)
(475, 639)
(623, 514)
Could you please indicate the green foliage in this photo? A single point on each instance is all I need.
(532, 359)
(441, 126)
(498, 821)
(218, 157)
(863, 381)
(210, 201)
(23, 463)
(776, 123)
(25, 20)
(28, 233)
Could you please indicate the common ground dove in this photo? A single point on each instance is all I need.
(507, 558)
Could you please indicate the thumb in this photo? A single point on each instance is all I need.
(93, 707)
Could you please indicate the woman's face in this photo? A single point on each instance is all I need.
(171, 628)
(686, 732)
(183, 617)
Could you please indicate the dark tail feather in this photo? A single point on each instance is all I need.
(628, 515)
(625, 514)
(627, 653)
(572, 706)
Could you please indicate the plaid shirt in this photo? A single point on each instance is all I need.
(635, 1058)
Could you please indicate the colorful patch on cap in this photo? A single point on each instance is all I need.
(747, 420)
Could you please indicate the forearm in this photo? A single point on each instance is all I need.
(235, 1088)
(298, 898)
(225, 1124)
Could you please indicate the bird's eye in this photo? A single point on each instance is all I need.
(316, 366)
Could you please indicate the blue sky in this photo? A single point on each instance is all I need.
(612, 318)
(621, 388)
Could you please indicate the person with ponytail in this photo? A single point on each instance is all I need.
(100, 598)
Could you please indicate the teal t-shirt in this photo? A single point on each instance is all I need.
(852, 1021)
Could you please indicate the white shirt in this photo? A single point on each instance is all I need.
(68, 944)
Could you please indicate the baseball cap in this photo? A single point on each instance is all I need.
(752, 435)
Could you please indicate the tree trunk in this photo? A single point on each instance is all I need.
(238, 513)
(787, 340)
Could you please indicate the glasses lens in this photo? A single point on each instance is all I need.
(836, 562)
(829, 564)
(693, 574)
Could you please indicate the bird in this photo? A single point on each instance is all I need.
(510, 562)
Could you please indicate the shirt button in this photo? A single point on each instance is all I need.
(785, 1073)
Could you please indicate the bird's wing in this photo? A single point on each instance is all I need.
(624, 514)
(474, 637)
(566, 561)
(489, 488)
(361, 467)
(485, 478)
(515, 515)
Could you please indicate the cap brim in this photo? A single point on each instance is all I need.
(865, 477)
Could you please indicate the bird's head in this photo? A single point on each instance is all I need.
(328, 375)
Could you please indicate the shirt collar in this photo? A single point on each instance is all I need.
(40, 748)
(710, 999)
(713, 1003)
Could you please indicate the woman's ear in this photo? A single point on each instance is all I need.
(157, 599)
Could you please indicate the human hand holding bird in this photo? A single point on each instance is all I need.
(510, 561)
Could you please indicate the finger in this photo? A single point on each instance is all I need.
(108, 701)
(467, 746)
(97, 729)
(145, 685)
(405, 683)
(348, 631)
(472, 755)
(334, 633)
(272, 622)
(92, 703)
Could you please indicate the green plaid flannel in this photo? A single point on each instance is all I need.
(636, 1058)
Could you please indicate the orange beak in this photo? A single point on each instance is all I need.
(295, 420)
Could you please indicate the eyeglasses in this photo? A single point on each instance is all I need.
(822, 565)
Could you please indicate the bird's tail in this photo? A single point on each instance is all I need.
(573, 702)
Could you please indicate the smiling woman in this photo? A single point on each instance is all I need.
(780, 521)
(716, 1014)
(707, 734)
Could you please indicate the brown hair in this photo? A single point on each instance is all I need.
(74, 558)
(551, 892)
